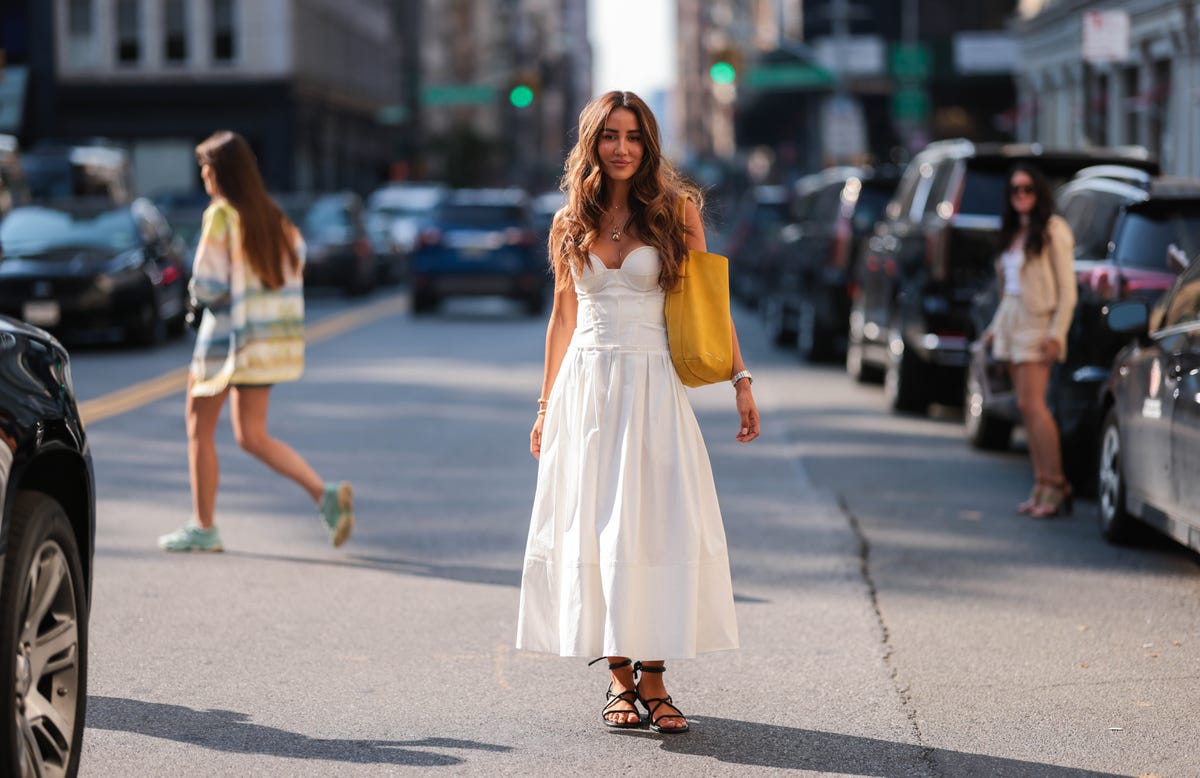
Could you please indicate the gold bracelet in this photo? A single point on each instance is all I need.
(542, 412)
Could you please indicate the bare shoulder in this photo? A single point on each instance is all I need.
(695, 226)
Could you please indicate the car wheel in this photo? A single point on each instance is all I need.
(422, 303)
(1116, 524)
(779, 330)
(904, 385)
(984, 430)
(43, 641)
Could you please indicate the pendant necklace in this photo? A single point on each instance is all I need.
(617, 232)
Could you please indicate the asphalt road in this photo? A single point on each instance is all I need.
(897, 618)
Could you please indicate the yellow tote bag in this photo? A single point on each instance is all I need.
(698, 323)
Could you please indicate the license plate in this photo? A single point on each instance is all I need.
(42, 313)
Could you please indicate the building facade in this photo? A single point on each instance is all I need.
(306, 81)
(1143, 90)
(501, 88)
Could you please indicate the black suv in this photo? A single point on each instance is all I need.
(932, 254)
(832, 212)
(47, 534)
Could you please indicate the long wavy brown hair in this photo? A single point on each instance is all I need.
(266, 231)
(653, 196)
(1039, 217)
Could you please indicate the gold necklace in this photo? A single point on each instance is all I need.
(618, 232)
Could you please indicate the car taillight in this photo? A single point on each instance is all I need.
(519, 237)
(170, 275)
(362, 247)
(839, 253)
(1107, 284)
(429, 237)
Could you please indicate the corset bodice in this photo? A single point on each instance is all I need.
(621, 307)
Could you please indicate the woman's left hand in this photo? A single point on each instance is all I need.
(748, 412)
(1050, 349)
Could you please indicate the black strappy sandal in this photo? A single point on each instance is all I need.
(628, 697)
(654, 703)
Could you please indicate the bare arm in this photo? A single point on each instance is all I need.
(747, 408)
(558, 337)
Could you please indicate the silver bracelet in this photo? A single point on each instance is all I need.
(738, 376)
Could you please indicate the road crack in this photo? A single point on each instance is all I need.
(902, 689)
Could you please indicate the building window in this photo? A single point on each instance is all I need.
(128, 48)
(175, 28)
(81, 33)
(222, 29)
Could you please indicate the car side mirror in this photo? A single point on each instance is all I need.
(1130, 317)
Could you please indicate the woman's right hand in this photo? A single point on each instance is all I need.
(988, 337)
(535, 437)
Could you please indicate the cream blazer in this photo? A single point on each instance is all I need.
(1048, 283)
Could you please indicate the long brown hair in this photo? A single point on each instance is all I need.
(653, 195)
(266, 242)
(1039, 216)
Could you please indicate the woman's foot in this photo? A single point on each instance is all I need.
(191, 537)
(620, 709)
(652, 693)
(337, 511)
(1034, 495)
(1053, 500)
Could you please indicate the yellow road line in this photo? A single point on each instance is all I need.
(145, 392)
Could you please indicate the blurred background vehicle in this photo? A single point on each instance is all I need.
(1150, 439)
(933, 253)
(48, 532)
(393, 217)
(807, 297)
(88, 271)
(480, 242)
(184, 210)
(339, 252)
(1127, 230)
(752, 231)
(543, 207)
(56, 171)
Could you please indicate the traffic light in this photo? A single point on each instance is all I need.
(524, 88)
(724, 65)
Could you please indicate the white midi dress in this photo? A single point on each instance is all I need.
(626, 553)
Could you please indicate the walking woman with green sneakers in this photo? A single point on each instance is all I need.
(248, 276)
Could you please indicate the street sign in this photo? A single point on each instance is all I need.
(910, 105)
(788, 76)
(458, 94)
(910, 61)
(1105, 36)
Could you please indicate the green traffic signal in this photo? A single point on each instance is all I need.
(521, 96)
(722, 73)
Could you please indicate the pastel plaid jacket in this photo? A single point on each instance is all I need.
(249, 334)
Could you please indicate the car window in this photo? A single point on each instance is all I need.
(479, 216)
(872, 201)
(938, 190)
(905, 191)
(1183, 305)
(827, 203)
(325, 214)
(983, 192)
(1146, 233)
(32, 231)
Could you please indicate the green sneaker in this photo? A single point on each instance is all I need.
(337, 511)
(190, 537)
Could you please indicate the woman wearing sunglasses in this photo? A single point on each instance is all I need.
(1029, 331)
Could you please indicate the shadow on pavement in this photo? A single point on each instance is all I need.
(766, 745)
(232, 732)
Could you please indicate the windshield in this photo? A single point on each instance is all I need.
(479, 216)
(326, 215)
(39, 230)
(983, 193)
(872, 200)
(1145, 235)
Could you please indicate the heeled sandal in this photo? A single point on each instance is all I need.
(1035, 495)
(629, 697)
(653, 704)
(1055, 499)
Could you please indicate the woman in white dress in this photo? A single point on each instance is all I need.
(626, 555)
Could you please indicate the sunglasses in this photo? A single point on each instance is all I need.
(1020, 189)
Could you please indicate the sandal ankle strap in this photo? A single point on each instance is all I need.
(638, 667)
(616, 666)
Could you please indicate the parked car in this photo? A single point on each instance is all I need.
(480, 242)
(338, 249)
(393, 217)
(87, 271)
(807, 300)
(47, 538)
(544, 206)
(1126, 234)
(1150, 441)
(757, 217)
(59, 171)
(932, 254)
